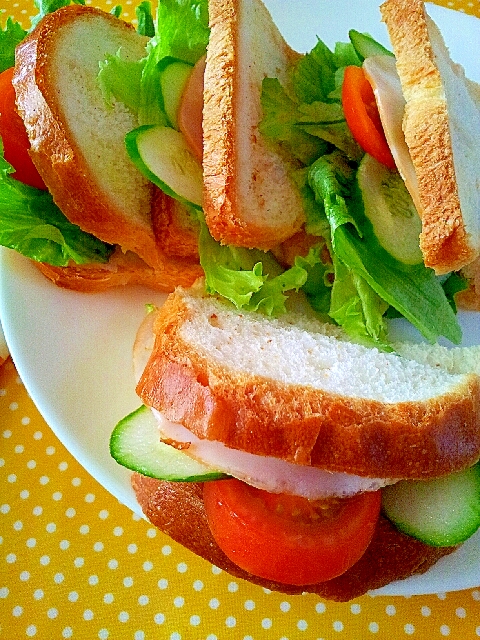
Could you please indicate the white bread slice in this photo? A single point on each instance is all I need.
(297, 389)
(441, 125)
(249, 198)
(77, 142)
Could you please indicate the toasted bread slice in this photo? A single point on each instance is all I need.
(177, 509)
(124, 269)
(441, 124)
(77, 141)
(176, 230)
(249, 198)
(298, 389)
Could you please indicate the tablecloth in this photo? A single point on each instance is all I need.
(75, 563)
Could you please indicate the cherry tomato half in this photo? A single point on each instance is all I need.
(363, 119)
(286, 538)
(14, 135)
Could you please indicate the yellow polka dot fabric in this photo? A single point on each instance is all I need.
(74, 563)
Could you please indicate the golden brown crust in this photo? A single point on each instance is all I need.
(470, 298)
(177, 509)
(228, 210)
(444, 241)
(69, 178)
(174, 229)
(124, 269)
(303, 425)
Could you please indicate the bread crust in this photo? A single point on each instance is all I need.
(64, 169)
(177, 509)
(124, 269)
(445, 242)
(303, 425)
(231, 206)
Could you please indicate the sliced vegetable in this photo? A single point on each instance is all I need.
(135, 444)
(390, 209)
(174, 76)
(190, 112)
(286, 538)
(15, 140)
(441, 512)
(164, 157)
(362, 116)
(365, 46)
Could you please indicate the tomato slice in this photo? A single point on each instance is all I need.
(190, 112)
(14, 136)
(286, 538)
(363, 119)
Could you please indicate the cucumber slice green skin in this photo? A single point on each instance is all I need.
(390, 209)
(135, 444)
(173, 79)
(163, 156)
(365, 46)
(442, 512)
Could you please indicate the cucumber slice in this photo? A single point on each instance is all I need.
(173, 79)
(164, 157)
(441, 512)
(135, 444)
(390, 209)
(365, 46)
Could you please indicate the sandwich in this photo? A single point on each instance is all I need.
(305, 243)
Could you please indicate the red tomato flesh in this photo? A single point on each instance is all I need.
(14, 136)
(190, 112)
(363, 119)
(286, 538)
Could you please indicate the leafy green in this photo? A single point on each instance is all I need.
(10, 36)
(120, 79)
(145, 26)
(33, 225)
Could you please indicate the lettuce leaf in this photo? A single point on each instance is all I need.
(32, 224)
(11, 35)
(145, 23)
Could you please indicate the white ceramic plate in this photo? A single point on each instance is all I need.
(73, 351)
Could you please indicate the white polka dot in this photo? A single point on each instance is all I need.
(31, 464)
(45, 560)
(5, 508)
(18, 525)
(11, 478)
(76, 482)
(151, 533)
(57, 496)
(147, 565)
(128, 581)
(7, 433)
(139, 635)
(390, 610)
(13, 406)
(88, 614)
(175, 636)
(216, 570)
(118, 531)
(426, 611)
(24, 576)
(195, 620)
(123, 616)
(63, 466)
(38, 594)
(320, 607)
(442, 595)
(179, 601)
(182, 567)
(477, 631)
(198, 585)
(476, 595)
(51, 527)
(31, 630)
(73, 596)
(230, 622)
(214, 603)
(17, 611)
(266, 623)
(98, 546)
(113, 564)
(93, 580)
(84, 529)
(460, 612)
(90, 497)
(373, 627)
(4, 592)
(232, 587)
(11, 558)
(52, 613)
(37, 511)
(58, 578)
(108, 598)
(445, 630)
(103, 634)
(19, 448)
(159, 618)
(162, 583)
(302, 625)
(103, 514)
(70, 512)
(67, 632)
(355, 608)
(25, 420)
(44, 480)
(50, 451)
(132, 548)
(250, 605)
(409, 629)
(38, 435)
(64, 545)
(143, 600)
(79, 562)
(338, 625)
